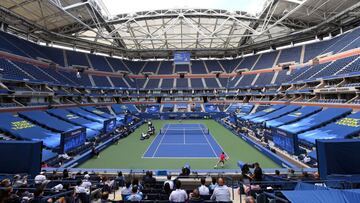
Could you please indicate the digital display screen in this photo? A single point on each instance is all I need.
(72, 139)
(285, 141)
(182, 58)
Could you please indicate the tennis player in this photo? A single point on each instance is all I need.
(222, 159)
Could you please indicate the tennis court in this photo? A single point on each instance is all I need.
(184, 141)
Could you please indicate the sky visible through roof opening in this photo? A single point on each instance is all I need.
(131, 6)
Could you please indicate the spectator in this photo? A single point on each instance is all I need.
(79, 189)
(65, 174)
(148, 179)
(120, 180)
(258, 174)
(171, 183)
(105, 197)
(135, 196)
(277, 173)
(135, 182)
(250, 199)
(178, 195)
(167, 190)
(38, 196)
(203, 190)
(221, 192)
(195, 197)
(86, 183)
(19, 182)
(126, 190)
(41, 178)
(213, 184)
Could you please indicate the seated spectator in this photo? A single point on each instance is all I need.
(79, 189)
(221, 192)
(277, 173)
(41, 178)
(212, 185)
(170, 182)
(167, 191)
(178, 195)
(250, 199)
(38, 196)
(203, 190)
(258, 174)
(19, 182)
(135, 182)
(126, 190)
(85, 182)
(105, 197)
(195, 197)
(135, 196)
(148, 179)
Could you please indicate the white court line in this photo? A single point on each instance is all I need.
(219, 146)
(152, 142)
(160, 141)
(191, 144)
(184, 136)
(160, 157)
(208, 142)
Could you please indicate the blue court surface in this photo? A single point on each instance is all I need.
(183, 141)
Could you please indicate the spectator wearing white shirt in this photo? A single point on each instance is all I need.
(40, 179)
(86, 183)
(203, 190)
(178, 195)
(126, 190)
(221, 192)
(171, 183)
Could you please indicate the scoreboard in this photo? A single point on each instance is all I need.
(181, 58)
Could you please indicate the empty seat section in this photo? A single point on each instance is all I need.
(290, 54)
(120, 119)
(354, 67)
(118, 82)
(345, 41)
(230, 65)
(121, 108)
(246, 80)
(315, 120)
(264, 78)
(315, 49)
(198, 67)
(182, 83)
(310, 71)
(182, 68)
(166, 67)
(282, 77)
(83, 80)
(167, 83)
(248, 62)
(76, 58)
(262, 112)
(11, 72)
(7, 46)
(213, 65)
(117, 64)
(130, 81)
(211, 83)
(55, 124)
(23, 129)
(54, 54)
(60, 77)
(196, 83)
(135, 66)
(140, 83)
(275, 114)
(334, 67)
(99, 63)
(36, 72)
(101, 81)
(266, 60)
(232, 81)
(343, 128)
(152, 84)
(223, 81)
(151, 66)
(75, 119)
(294, 116)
